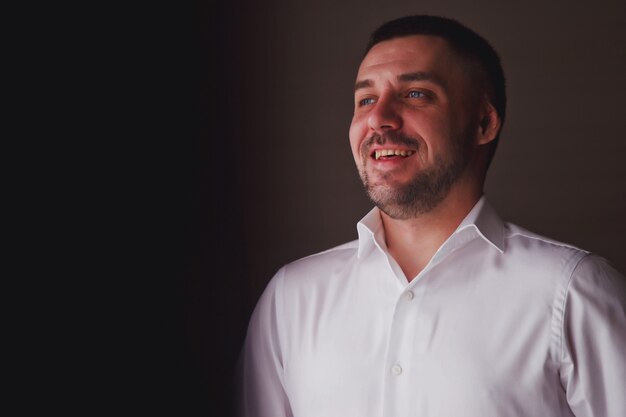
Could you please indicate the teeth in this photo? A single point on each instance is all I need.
(389, 152)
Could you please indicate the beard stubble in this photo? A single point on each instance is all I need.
(428, 187)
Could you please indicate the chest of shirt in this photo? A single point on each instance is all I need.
(453, 338)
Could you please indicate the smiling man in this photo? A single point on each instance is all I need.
(439, 308)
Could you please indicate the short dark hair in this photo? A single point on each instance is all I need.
(469, 45)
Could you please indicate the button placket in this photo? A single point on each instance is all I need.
(401, 357)
(396, 369)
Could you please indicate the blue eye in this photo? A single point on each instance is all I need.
(366, 101)
(416, 94)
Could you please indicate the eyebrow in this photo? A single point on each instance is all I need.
(411, 76)
(422, 76)
(362, 84)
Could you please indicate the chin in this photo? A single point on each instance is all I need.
(406, 201)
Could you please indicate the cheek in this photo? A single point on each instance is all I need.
(432, 130)
(358, 132)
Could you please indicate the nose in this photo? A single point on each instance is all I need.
(384, 115)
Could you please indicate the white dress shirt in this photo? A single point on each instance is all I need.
(500, 323)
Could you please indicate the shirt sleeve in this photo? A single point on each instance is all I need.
(261, 391)
(593, 366)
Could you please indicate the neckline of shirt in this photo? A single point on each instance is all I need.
(481, 221)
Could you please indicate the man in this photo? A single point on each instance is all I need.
(439, 308)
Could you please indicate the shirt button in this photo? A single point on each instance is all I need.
(409, 295)
(396, 369)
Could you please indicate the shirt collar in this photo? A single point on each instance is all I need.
(371, 232)
(482, 221)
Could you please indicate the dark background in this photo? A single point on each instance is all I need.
(244, 162)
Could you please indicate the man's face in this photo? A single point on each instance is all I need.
(414, 123)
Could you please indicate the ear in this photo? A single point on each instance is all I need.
(489, 124)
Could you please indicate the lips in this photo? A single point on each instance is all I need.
(388, 146)
(390, 153)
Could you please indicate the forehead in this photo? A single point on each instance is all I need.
(409, 54)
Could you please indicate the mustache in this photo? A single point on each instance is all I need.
(392, 138)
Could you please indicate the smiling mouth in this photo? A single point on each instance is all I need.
(391, 153)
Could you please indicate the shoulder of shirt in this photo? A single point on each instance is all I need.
(322, 263)
(541, 250)
(340, 251)
(513, 231)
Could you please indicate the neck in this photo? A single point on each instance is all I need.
(413, 242)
